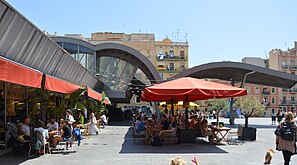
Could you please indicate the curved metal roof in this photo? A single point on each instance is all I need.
(23, 42)
(130, 54)
(235, 71)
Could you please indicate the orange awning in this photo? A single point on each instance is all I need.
(93, 94)
(18, 74)
(58, 85)
(191, 88)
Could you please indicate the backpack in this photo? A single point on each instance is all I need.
(288, 131)
(156, 141)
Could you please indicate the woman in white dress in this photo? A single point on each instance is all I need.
(93, 126)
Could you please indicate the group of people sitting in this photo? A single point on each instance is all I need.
(153, 126)
(167, 125)
(53, 132)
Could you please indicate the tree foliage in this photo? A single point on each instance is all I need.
(250, 106)
(217, 105)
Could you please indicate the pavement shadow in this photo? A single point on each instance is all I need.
(254, 125)
(9, 159)
(129, 147)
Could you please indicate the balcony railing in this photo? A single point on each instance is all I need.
(166, 70)
(171, 58)
(293, 67)
(285, 66)
(288, 102)
(265, 93)
(285, 90)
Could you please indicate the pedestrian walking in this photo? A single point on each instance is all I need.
(273, 119)
(286, 139)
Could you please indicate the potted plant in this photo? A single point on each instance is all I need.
(249, 106)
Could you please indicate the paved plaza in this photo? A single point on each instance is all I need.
(114, 145)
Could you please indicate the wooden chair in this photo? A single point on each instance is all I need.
(86, 130)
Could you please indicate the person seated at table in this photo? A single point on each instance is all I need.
(66, 133)
(154, 120)
(164, 123)
(192, 121)
(201, 126)
(137, 122)
(52, 125)
(25, 129)
(140, 126)
(69, 116)
(43, 132)
(150, 130)
(171, 129)
(81, 117)
(166, 113)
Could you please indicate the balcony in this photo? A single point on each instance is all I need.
(265, 93)
(171, 58)
(285, 66)
(293, 67)
(166, 70)
(288, 102)
(285, 90)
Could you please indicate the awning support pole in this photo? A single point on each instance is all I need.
(186, 113)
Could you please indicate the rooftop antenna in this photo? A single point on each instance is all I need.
(177, 35)
(266, 55)
(172, 35)
(124, 27)
(186, 37)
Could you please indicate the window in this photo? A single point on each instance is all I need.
(256, 89)
(292, 99)
(284, 100)
(171, 53)
(273, 90)
(248, 89)
(182, 65)
(293, 73)
(273, 100)
(171, 66)
(284, 63)
(137, 99)
(182, 54)
(293, 62)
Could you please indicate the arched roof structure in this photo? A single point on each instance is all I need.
(236, 71)
(107, 54)
(123, 52)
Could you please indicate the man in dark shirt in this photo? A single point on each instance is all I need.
(66, 133)
(164, 123)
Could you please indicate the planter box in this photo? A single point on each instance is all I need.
(186, 136)
(248, 133)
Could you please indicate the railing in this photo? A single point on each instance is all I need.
(171, 58)
(265, 93)
(293, 67)
(287, 102)
(285, 90)
(285, 66)
(165, 70)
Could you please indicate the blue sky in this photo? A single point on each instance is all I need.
(217, 30)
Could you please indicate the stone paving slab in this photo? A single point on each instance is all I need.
(114, 145)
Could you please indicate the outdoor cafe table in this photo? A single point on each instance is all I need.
(218, 134)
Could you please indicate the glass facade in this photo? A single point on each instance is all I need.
(82, 54)
(115, 73)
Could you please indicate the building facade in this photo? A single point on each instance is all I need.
(168, 57)
(172, 57)
(285, 61)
